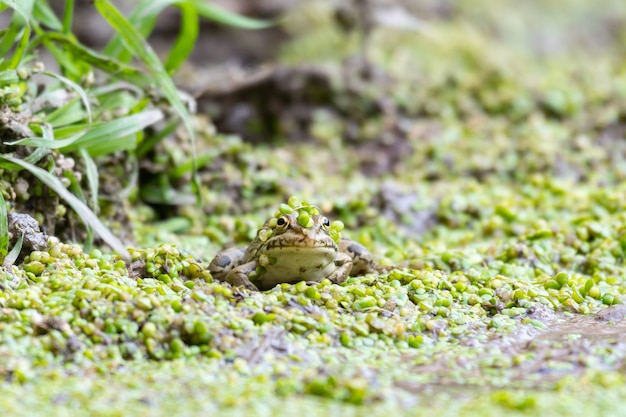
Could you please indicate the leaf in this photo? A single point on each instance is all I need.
(63, 56)
(143, 18)
(68, 15)
(9, 36)
(40, 152)
(78, 192)
(113, 135)
(92, 178)
(75, 87)
(78, 206)
(143, 51)
(68, 114)
(45, 15)
(9, 76)
(108, 136)
(225, 17)
(23, 7)
(80, 52)
(15, 252)
(20, 49)
(186, 39)
(4, 228)
(147, 144)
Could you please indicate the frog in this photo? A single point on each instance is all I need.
(292, 253)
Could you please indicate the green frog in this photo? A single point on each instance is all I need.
(284, 251)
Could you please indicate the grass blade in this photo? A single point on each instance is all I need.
(92, 178)
(109, 134)
(78, 206)
(48, 133)
(143, 18)
(75, 87)
(20, 49)
(113, 135)
(71, 66)
(4, 228)
(143, 51)
(107, 64)
(225, 17)
(9, 37)
(78, 192)
(15, 252)
(9, 76)
(68, 15)
(147, 144)
(23, 7)
(44, 15)
(186, 39)
(70, 113)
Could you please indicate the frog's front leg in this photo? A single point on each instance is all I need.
(361, 258)
(226, 261)
(342, 268)
(239, 276)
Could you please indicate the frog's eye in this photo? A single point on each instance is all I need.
(326, 222)
(281, 222)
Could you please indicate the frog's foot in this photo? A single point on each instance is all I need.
(382, 269)
(238, 277)
(343, 266)
(225, 261)
(361, 258)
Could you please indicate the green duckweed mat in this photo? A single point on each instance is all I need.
(490, 176)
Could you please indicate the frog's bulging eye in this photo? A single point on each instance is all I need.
(326, 222)
(281, 222)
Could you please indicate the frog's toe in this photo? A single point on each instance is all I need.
(239, 277)
(240, 281)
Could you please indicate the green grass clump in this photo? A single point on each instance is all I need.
(87, 118)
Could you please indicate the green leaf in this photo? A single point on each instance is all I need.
(78, 192)
(4, 228)
(107, 64)
(78, 206)
(103, 137)
(186, 39)
(143, 18)
(40, 152)
(113, 136)
(92, 178)
(149, 142)
(81, 92)
(68, 114)
(20, 49)
(45, 15)
(68, 14)
(8, 77)
(19, 23)
(225, 17)
(23, 7)
(143, 51)
(15, 252)
(9, 37)
(63, 56)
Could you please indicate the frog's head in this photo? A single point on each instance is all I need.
(288, 230)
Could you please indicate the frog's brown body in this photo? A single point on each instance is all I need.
(290, 254)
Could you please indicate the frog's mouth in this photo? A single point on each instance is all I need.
(296, 256)
(300, 242)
